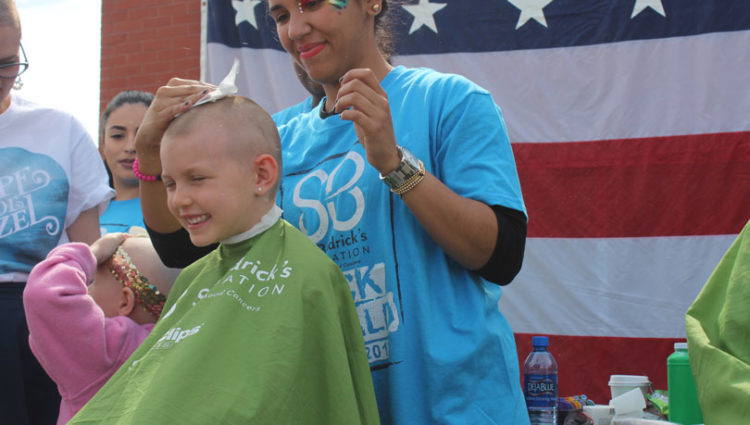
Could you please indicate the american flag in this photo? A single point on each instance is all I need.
(630, 122)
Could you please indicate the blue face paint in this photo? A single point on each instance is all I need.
(339, 4)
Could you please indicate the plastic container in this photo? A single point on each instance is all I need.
(683, 397)
(540, 383)
(620, 384)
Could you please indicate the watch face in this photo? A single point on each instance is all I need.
(407, 168)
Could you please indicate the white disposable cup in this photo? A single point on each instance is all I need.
(600, 414)
(620, 384)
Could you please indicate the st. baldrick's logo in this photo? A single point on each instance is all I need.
(343, 203)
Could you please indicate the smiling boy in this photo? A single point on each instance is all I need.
(261, 330)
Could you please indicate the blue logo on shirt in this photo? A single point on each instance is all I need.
(33, 202)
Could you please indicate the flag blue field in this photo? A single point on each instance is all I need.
(629, 121)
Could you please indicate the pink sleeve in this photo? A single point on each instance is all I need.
(69, 334)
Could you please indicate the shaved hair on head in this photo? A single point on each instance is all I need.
(251, 129)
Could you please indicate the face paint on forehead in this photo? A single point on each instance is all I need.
(338, 4)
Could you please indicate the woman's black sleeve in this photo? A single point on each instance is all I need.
(175, 249)
(507, 258)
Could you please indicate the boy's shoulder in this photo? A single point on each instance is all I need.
(300, 245)
(292, 243)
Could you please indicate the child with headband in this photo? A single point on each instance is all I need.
(89, 308)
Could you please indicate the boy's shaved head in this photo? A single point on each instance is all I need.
(252, 130)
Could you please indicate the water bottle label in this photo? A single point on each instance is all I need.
(540, 390)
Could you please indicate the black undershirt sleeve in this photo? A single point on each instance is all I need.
(175, 249)
(507, 258)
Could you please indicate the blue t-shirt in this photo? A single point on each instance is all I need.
(284, 115)
(121, 216)
(439, 349)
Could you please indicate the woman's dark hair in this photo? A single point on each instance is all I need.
(123, 98)
(384, 32)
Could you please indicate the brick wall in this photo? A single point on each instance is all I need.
(147, 42)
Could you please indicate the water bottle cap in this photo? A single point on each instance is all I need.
(540, 341)
(680, 346)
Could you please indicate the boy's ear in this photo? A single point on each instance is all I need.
(127, 302)
(266, 173)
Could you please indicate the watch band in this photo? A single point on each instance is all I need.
(408, 167)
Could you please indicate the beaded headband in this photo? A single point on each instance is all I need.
(146, 294)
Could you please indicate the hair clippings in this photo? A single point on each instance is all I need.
(146, 294)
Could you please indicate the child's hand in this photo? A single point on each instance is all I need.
(104, 247)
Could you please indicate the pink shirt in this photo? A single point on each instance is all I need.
(78, 347)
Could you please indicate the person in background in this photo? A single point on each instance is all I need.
(53, 187)
(263, 329)
(120, 121)
(89, 308)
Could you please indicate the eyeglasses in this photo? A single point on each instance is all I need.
(11, 71)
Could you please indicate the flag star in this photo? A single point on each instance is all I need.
(245, 12)
(423, 14)
(530, 9)
(641, 5)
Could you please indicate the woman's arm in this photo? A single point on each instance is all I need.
(86, 227)
(469, 231)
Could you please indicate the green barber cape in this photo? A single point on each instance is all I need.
(718, 332)
(260, 332)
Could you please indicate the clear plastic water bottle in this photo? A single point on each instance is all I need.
(540, 383)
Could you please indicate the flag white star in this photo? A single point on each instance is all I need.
(530, 9)
(423, 14)
(245, 12)
(640, 5)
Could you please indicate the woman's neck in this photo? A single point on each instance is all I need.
(125, 192)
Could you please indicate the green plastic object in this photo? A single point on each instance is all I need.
(683, 397)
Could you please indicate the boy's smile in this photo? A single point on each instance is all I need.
(208, 189)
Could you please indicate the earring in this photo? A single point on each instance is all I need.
(18, 84)
(376, 8)
(259, 189)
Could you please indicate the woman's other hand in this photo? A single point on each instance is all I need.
(365, 103)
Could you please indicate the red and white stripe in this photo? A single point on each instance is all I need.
(634, 160)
